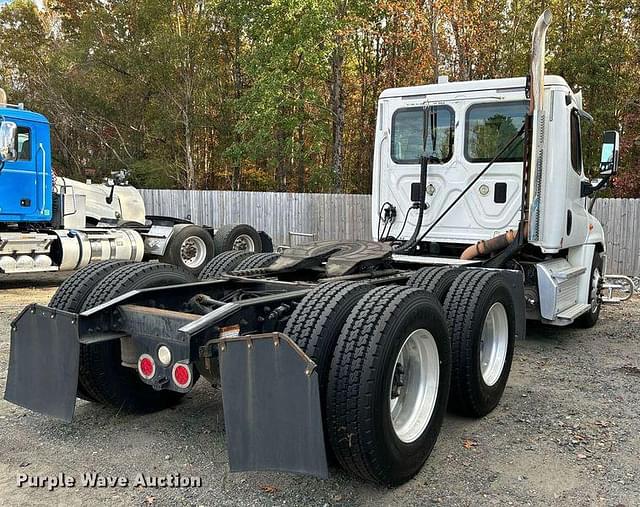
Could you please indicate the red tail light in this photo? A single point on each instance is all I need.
(182, 375)
(146, 366)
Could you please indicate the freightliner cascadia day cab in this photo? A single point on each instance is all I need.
(50, 223)
(356, 349)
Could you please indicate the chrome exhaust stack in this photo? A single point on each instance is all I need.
(537, 110)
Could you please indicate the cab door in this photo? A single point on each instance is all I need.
(19, 180)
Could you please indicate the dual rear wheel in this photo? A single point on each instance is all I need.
(383, 358)
(101, 376)
(391, 359)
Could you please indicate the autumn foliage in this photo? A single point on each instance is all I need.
(281, 94)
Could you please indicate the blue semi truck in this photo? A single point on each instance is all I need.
(52, 223)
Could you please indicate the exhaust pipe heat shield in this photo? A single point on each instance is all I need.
(538, 110)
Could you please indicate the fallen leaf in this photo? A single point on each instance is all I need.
(468, 444)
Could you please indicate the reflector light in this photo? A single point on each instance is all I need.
(146, 366)
(181, 375)
(164, 355)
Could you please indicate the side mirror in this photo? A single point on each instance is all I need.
(8, 144)
(610, 153)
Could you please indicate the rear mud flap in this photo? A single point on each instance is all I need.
(43, 362)
(271, 398)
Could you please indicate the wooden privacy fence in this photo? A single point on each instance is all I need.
(347, 216)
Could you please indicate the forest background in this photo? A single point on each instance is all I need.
(281, 95)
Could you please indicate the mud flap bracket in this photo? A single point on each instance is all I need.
(271, 401)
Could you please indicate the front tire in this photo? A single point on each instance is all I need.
(369, 436)
(590, 318)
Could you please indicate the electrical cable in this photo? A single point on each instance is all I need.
(406, 216)
(507, 149)
(387, 219)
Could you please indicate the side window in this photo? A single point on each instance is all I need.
(489, 127)
(415, 130)
(23, 141)
(576, 143)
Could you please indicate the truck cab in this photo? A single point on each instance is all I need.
(463, 125)
(26, 182)
(459, 129)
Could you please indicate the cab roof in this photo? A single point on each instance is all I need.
(513, 83)
(16, 113)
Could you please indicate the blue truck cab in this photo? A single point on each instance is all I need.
(26, 186)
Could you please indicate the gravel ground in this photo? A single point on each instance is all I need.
(566, 432)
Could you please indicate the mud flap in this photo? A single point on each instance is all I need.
(271, 398)
(43, 362)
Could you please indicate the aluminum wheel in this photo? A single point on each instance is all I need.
(494, 343)
(414, 385)
(596, 282)
(245, 243)
(193, 252)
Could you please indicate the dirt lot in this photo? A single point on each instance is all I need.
(567, 432)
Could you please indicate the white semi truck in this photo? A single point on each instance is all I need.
(356, 349)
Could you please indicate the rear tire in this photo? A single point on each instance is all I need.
(223, 263)
(257, 261)
(434, 279)
(73, 292)
(241, 237)
(191, 248)
(364, 430)
(267, 242)
(481, 315)
(101, 372)
(318, 319)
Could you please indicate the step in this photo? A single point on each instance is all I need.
(574, 311)
(569, 273)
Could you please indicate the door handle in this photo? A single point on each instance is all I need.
(44, 177)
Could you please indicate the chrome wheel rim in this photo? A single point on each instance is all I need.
(493, 344)
(595, 290)
(414, 385)
(193, 252)
(245, 243)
